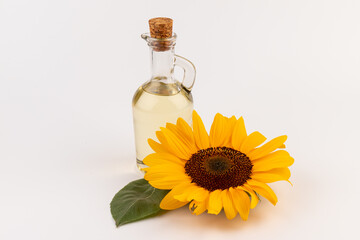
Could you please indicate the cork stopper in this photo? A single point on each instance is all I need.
(161, 27)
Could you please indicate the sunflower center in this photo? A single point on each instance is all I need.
(217, 164)
(219, 168)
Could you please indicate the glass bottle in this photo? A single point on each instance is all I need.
(162, 99)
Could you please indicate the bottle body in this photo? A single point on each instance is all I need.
(154, 105)
(162, 99)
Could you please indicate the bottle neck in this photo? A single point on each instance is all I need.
(162, 65)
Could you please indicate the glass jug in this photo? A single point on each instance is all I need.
(162, 99)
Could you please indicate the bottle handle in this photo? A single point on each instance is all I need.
(189, 72)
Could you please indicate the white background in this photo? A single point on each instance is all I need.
(68, 70)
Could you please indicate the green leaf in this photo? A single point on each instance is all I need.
(136, 201)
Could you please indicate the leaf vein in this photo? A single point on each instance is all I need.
(138, 200)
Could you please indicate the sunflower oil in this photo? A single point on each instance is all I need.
(154, 105)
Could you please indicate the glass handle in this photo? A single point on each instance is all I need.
(189, 72)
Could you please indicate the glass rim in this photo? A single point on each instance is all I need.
(148, 38)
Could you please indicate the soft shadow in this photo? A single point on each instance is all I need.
(186, 220)
(291, 198)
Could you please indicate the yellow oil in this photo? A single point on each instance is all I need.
(154, 104)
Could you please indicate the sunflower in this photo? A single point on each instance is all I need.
(225, 169)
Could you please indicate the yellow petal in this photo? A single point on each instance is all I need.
(193, 192)
(201, 195)
(184, 195)
(229, 208)
(154, 159)
(268, 147)
(252, 141)
(164, 143)
(272, 175)
(157, 147)
(229, 126)
(176, 145)
(264, 190)
(184, 127)
(197, 207)
(241, 202)
(239, 134)
(187, 195)
(254, 198)
(168, 169)
(217, 131)
(167, 173)
(152, 174)
(231, 122)
(167, 182)
(159, 176)
(169, 203)
(180, 135)
(278, 159)
(200, 134)
(215, 202)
